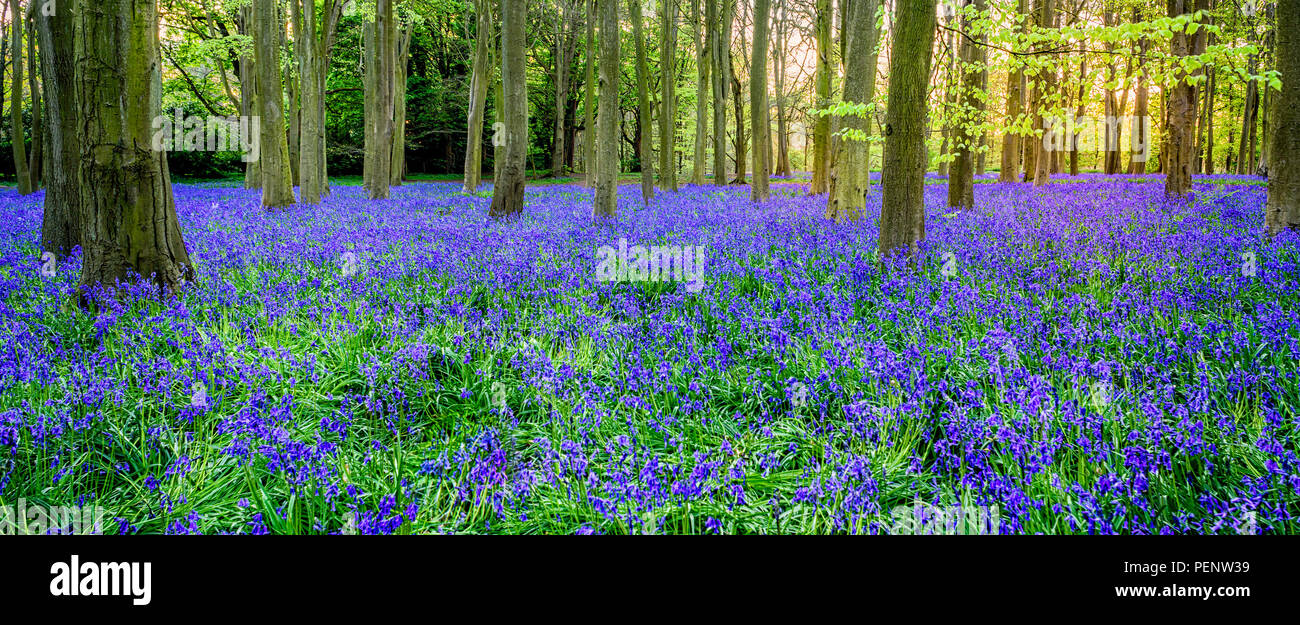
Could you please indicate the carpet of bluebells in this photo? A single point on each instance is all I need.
(1087, 357)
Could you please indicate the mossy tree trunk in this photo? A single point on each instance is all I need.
(128, 214)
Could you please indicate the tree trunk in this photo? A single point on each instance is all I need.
(589, 130)
(564, 50)
(482, 75)
(273, 150)
(607, 163)
(508, 187)
(401, 55)
(248, 103)
(61, 224)
(644, 132)
(1140, 129)
(702, 63)
(970, 118)
(16, 99)
(847, 201)
(378, 162)
(1181, 113)
(758, 189)
(668, 98)
(719, 19)
(902, 218)
(1282, 211)
(313, 50)
(821, 158)
(128, 215)
(1043, 159)
(1012, 142)
(35, 162)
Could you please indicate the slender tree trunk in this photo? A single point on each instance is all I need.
(719, 19)
(34, 167)
(1140, 130)
(273, 150)
(847, 201)
(128, 215)
(702, 64)
(902, 218)
(564, 50)
(401, 55)
(508, 186)
(481, 77)
(1181, 113)
(1012, 142)
(970, 119)
(589, 130)
(668, 98)
(61, 224)
(607, 164)
(758, 190)
(16, 98)
(315, 37)
(248, 101)
(644, 132)
(379, 102)
(1043, 160)
(821, 159)
(1282, 210)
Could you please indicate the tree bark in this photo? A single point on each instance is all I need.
(702, 65)
(1181, 113)
(61, 224)
(1282, 210)
(968, 126)
(479, 80)
(128, 215)
(16, 99)
(847, 200)
(758, 189)
(644, 132)
(607, 163)
(273, 150)
(508, 187)
(902, 219)
(719, 19)
(401, 55)
(668, 98)
(565, 44)
(315, 41)
(589, 130)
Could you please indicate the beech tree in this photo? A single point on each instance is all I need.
(483, 71)
(968, 125)
(314, 33)
(668, 97)
(758, 189)
(1282, 211)
(607, 165)
(852, 176)
(643, 103)
(16, 98)
(702, 66)
(128, 215)
(61, 224)
(379, 46)
(273, 148)
(902, 213)
(508, 187)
